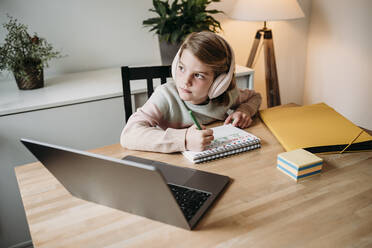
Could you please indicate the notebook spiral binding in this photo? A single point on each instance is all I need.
(231, 150)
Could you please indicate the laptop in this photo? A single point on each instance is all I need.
(159, 191)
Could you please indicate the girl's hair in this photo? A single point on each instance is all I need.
(212, 50)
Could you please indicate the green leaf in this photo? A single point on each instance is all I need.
(214, 11)
(156, 4)
(174, 6)
(162, 9)
(151, 21)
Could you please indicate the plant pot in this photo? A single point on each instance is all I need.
(168, 51)
(29, 76)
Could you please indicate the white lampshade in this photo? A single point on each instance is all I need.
(266, 10)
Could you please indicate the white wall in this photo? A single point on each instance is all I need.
(290, 42)
(339, 60)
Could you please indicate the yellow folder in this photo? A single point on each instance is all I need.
(316, 128)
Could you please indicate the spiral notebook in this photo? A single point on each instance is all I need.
(228, 140)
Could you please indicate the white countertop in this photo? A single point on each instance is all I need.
(70, 89)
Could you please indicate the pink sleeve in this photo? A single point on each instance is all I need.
(248, 101)
(142, 132)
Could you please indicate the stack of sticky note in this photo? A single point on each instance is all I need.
(299, 164)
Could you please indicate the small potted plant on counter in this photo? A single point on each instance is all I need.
(25, 56)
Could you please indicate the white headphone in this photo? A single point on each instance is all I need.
(221, 83)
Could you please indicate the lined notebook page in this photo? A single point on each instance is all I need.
(228, 140)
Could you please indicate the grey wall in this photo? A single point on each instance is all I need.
(94, 34)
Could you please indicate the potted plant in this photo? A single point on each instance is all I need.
(25, 56)
(178, 19)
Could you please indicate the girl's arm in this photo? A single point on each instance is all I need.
(142, 132)
(247, 105)
(249, 101)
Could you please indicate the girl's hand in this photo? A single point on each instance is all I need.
(197, 140)
(239, 119)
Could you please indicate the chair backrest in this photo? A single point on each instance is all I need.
(129, 74)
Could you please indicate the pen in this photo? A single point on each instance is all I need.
(194, 120)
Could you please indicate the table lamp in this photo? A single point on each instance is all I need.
(266, 10)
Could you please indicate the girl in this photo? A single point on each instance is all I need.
(204, 82)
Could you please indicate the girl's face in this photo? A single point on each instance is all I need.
(193, 78)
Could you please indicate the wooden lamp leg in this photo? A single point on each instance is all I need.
(253, 53)
(272, 85)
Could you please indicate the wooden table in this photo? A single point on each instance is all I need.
(262, 207)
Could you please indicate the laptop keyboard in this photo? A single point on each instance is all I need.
(189, 200)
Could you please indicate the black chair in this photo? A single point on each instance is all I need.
(136, 73)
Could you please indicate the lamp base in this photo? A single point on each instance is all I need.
(272, 85)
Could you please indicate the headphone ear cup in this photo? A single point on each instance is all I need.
(222, 82)
(219, 86)
(175, 64)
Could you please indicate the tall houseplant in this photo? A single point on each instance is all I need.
(25, 56)
(178, 19)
